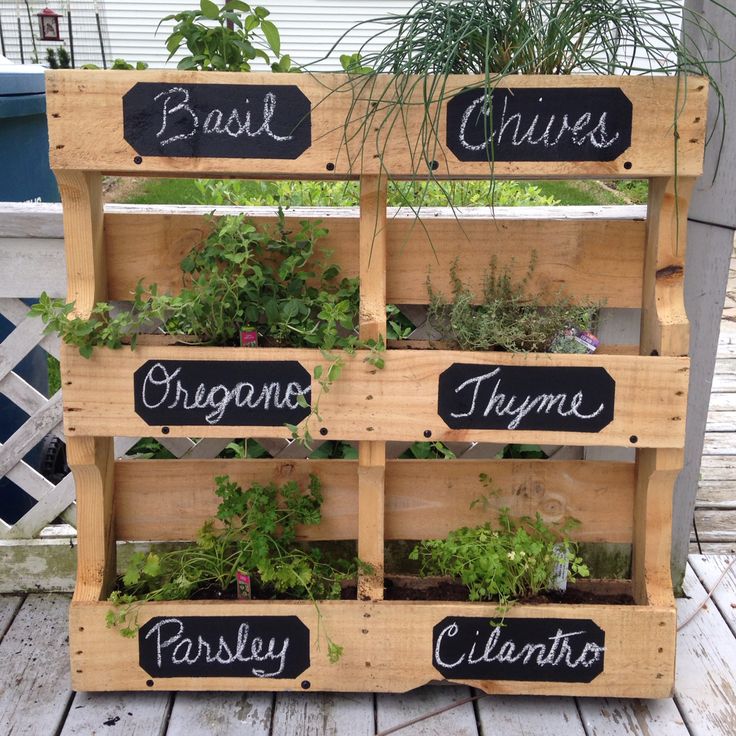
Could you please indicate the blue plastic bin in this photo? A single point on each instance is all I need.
(24, 137)
(26, 176)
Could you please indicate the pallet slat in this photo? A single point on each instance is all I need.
(394, 638)
(79, 100)
(98, 396)
(151, 247)
(170, 499)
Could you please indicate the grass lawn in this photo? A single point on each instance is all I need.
(581, 192)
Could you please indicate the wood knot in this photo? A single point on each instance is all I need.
(670, 273)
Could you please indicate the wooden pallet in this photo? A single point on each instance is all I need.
(623, 650)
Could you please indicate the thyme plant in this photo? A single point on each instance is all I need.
(508, 317)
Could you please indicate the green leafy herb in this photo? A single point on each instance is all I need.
(254, 530)
(508, 317)
(226, 38)
(516, 559)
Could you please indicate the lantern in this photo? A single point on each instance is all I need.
(48, 22)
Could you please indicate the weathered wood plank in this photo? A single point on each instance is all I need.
(224, 714)
(19, 262)
(170, 499)
(151, 247)
(323, 714)
(99, 398)
(527, 716)
(133, 714)
(78, 100)
(719, 521)
(618, 717)
(392, 710)
(709, 570)
(34, 679)
(719, 443)
(9, 606)
(706, 651)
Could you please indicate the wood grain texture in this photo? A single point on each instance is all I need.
(92, 462)
(706, 652)
(323, 714)
(86, 267)
(710, 569)
(78, 100)
(528, 716)
(150, 246)
(134, 714)
(171, 499)
(34, 679)
(372, 454)
(99, 396)
(396, 709)
(657, 471)
(394, 638)
(224, 714)
(631, 717)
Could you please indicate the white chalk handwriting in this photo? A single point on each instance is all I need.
(239, 122)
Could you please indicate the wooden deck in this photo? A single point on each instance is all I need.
(36, 699)
(715, 507)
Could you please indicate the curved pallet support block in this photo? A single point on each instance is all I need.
(92, 462)
(664, 332)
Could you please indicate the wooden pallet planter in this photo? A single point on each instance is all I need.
(171, 123)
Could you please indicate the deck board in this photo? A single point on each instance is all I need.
(34, 678)
(132, 714)
(395, 709)
(705, 685)
(223, 714)
(35, 697)
(619, 717)
(528, 716)
(323, 714)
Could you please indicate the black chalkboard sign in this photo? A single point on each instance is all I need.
(526, 397)
(538, 649)
(539, 124)
(233, 393)
(217, 120)
(224, 646)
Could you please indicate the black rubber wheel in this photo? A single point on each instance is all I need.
(52, 460)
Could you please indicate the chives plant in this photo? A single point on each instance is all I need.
(497, 38)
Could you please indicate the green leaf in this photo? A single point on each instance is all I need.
(272, 36)
(237, 5)
(187, 63)
(209, 9)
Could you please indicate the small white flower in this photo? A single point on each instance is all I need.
(511, 555)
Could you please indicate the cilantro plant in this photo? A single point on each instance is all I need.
(255, 530)
(516, 559)
(226, 38)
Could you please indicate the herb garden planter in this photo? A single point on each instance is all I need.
(264, 125)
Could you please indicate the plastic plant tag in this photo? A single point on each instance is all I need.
(243, 582)
(573, 340)
(558, 579)
(248, 337)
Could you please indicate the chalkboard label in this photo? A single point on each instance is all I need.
(224, 646)
(556, 399)
(233, 393)
(217, 120)
(538, 649)
(539, 124)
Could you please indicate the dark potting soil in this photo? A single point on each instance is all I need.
(408, 588)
